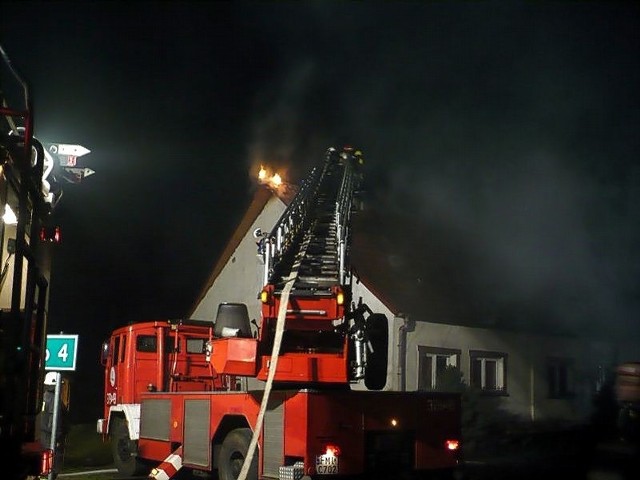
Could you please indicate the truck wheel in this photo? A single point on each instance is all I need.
(123, 450)
(232, 454)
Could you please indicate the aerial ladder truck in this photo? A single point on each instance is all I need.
(174, 395)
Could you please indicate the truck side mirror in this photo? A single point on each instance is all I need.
(104, 353)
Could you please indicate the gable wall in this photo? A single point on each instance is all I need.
(527, 359)
(241, 278)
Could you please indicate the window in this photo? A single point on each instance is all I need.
(195, 345)
(560, 377)
(148, 343)
(438, 369)
(116, 348)
(124, 348)
(488, 371)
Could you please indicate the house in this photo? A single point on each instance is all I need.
(436, 317)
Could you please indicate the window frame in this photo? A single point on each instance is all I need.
(555, 389)
(115, 353)
(501, 371)
(434, 352)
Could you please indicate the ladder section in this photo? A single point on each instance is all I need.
(310, 240)
(317, 259)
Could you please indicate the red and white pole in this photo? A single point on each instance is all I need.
(167, 469)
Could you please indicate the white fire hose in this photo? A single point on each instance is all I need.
(275, 352)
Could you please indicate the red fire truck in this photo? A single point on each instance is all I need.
(176, 392)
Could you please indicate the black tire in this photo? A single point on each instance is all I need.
(232, 454)
(124, 451)
(375, 376)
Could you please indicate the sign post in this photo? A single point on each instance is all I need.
(60, 355)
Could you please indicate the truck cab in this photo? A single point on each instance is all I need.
(152, 356)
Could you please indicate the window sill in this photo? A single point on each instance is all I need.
(565, 396)
(494, 393)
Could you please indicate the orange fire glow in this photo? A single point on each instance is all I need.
(266, 178)
(262, 174)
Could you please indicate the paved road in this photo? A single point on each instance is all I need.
(88, 472)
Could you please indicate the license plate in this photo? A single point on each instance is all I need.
(327, 465)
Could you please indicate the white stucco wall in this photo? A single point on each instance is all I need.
(241, 278)
(527, 355)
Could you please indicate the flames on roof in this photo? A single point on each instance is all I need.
(269, 178)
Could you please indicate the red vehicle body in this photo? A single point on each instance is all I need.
(156, 402)
(176, 394)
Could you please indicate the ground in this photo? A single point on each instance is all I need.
(575, 453)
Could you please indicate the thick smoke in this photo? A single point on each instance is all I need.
(541, 236)
(276, 132)
(511, 129)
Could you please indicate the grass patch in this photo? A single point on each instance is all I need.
(85, 448)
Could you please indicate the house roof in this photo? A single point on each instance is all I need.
(434, 271)
(411, 270)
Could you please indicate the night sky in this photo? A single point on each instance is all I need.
(516, 127)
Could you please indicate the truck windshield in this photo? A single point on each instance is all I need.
(149, 344)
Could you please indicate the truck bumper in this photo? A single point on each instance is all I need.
(100, 426)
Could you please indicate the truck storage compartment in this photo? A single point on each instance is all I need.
(234, 356)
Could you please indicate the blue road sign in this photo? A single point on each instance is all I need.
(61, 352)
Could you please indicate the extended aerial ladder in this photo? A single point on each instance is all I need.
(309, 248)
(312, 234)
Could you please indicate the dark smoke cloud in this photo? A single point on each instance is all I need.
(276, 131)
(512, 125)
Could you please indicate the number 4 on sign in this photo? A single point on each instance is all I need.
(62, 353)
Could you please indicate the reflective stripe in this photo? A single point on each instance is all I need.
(175, 460)
(167, 469)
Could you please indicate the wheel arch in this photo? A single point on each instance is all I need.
(130, 414)
(228, 423)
